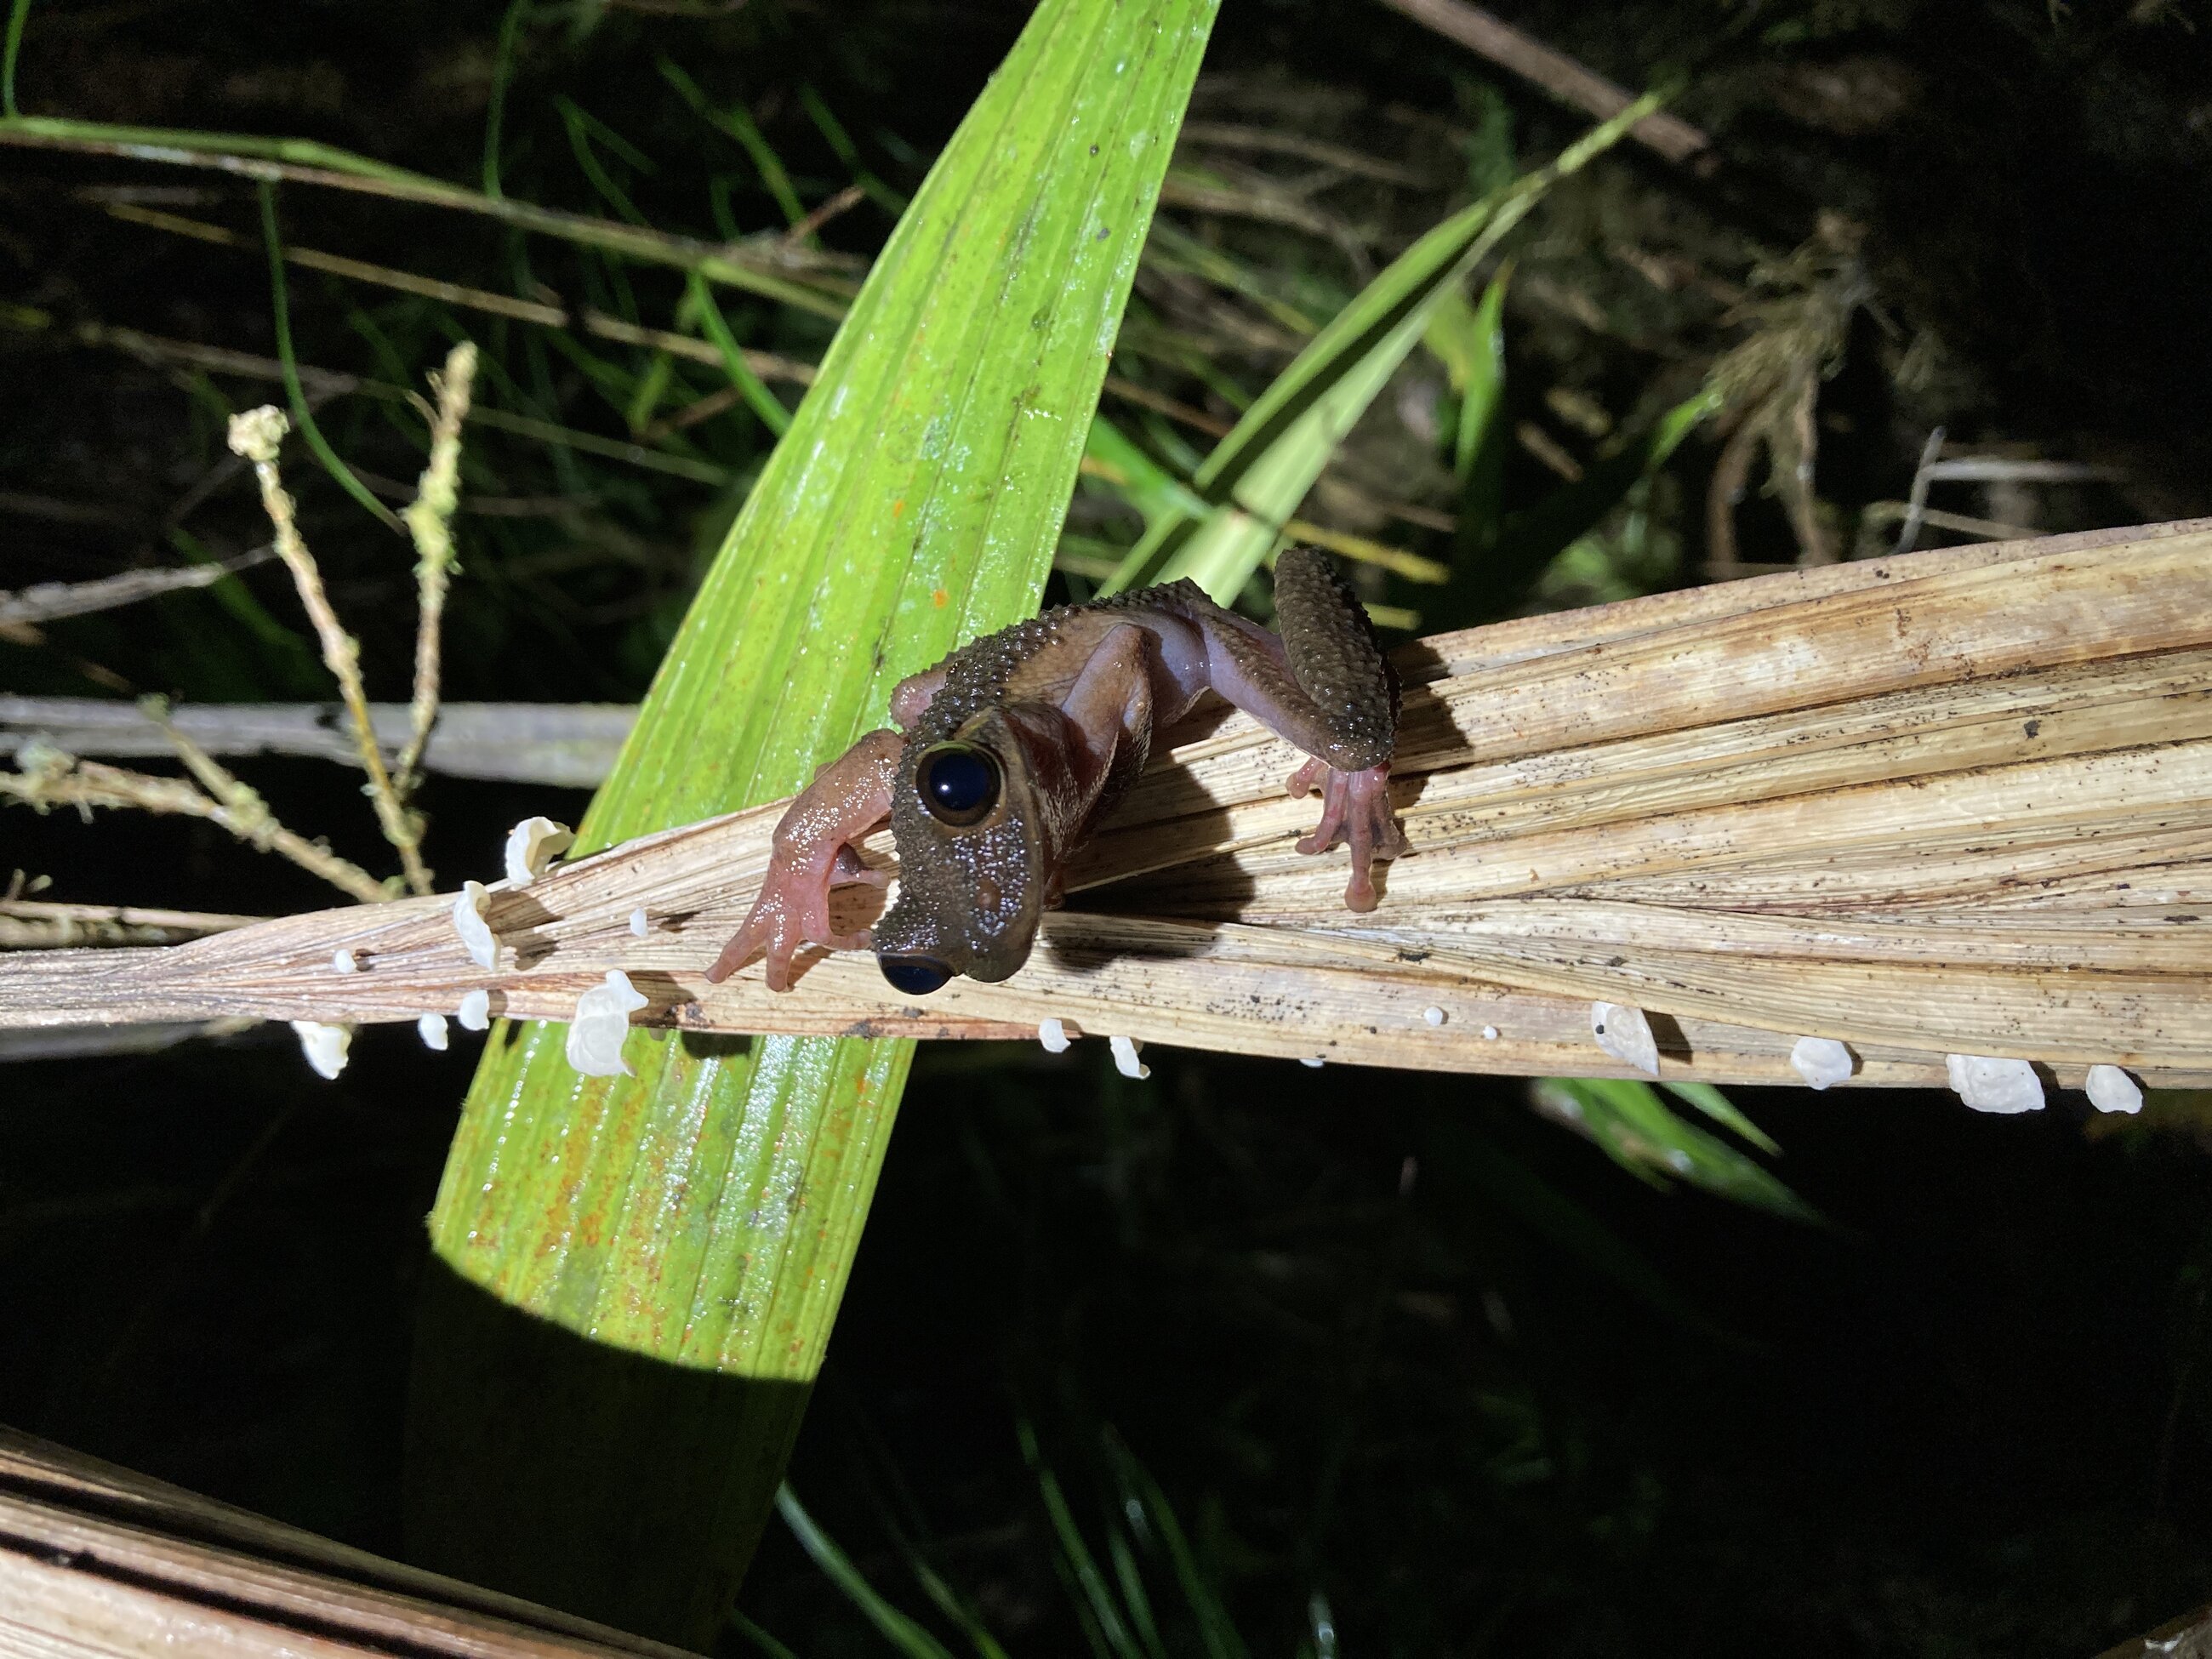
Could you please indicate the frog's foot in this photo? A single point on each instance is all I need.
(1355, 808)
(792, 911)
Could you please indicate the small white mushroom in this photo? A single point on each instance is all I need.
(1490, 1034)
(2112, 1089)
(640, 923)
(1625, 1034)
(1125, 1058)
(1313, 1061)
(600, 1024)
(1990, 1085)
(1054, 1036)
(431, 1028)
(475, 1011)
(324, 1046)
(469, 922)
(343, 961)
(1823, 1062)
(1434, 1016)
(532, 845)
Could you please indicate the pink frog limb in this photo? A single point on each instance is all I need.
(814, 850)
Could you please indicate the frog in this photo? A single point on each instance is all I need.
(1007, 755)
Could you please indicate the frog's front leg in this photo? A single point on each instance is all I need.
(813, 851)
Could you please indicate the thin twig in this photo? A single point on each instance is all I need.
(766, 364)
(256, 435)
(563, 746)
(294, 161)
(1565, 79)
(429, 520)
(1916, 505)
(51, 599)
(48, 777)
(38, 925)
(844, 201)
(1228, 135)
(221, 359)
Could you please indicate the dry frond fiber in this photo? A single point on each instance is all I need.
(1958, 802)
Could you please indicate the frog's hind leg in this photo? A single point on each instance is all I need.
(1330, 649)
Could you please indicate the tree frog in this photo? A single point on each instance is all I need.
(1013, 750)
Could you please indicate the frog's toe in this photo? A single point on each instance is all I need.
(1355, 811)
(849, 869)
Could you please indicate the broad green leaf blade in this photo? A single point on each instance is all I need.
(635, 1278)
(1256, 476)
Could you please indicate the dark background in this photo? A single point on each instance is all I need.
(1389, 1342)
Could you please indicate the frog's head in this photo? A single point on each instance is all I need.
(978, 843)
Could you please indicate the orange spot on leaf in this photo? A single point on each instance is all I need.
(898, 507)
(940, 599)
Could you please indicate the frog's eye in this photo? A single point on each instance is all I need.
(916, 975)
(958, 783)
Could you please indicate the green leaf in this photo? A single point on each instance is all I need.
(1482, 393)
(1630, 1123)
(1719, 1107)
(1256, 476)
(634, 1278)
(1533, 539)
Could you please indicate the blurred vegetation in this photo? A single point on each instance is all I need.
(1405, 1363)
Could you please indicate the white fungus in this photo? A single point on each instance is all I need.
(1490, 1034)
(469, 922)
(1125, 1058)
(1625, 1034)
(1823, 1062)
(431, 1028)
(1989, 1084)
(1313, 1061)
(343, 961)
(475, 1011)
(600, 1024)
(1434, 1016)
(2112, 1089)
(324, 1046)
(1054, 1036)
(640, 923)
(532, 845)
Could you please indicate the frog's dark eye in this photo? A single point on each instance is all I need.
(958, 783)
(916, 975)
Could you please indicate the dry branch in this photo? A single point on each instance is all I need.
(1565, 79)
(569, 746)
(1959, 802)
(49, 601)
(95, 1560)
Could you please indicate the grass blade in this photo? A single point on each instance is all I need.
(901, 1631)
(1257, 476)
(303, 416)
(758, 398)
(1631, 1125)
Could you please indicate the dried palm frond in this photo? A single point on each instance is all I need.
(1957, 802)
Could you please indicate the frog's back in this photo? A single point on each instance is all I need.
(980, 674)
